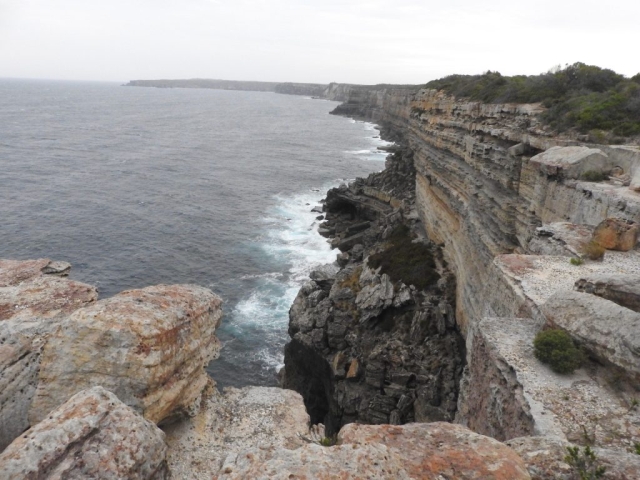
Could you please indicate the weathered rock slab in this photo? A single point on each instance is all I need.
(572, 162)
(92, 435)
(545, 459)
(413, 451)
(617, 234)
(237, 420)
(607, 330)
(619, 288)
(148, 346)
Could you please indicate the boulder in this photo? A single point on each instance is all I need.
(325, 275)
(606, 330)
(92, 435)
(148, 346)
(617, 234)
(428, 451)
(32, 304)
(374, 297)
(545, 459)
(560, 238)
(623, 289)
(572, 162)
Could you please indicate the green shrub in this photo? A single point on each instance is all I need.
(593, 250)
(584, 463)
(405, 261)
(636, 446)
(586, 97)
(593, 176)
(328, 441)
(576, 261)
(556, 348)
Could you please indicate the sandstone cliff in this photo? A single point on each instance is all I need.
(506, 202)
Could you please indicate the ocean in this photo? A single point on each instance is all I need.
(142, 186)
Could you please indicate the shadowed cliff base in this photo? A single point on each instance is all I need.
(374, 337)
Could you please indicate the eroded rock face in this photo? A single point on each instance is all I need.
(426, 451)
(92, 435)
(148, 346)
(365, 347)
(33, 301)
(607, 330)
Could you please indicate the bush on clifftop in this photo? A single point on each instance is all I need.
(582, 96)
(556, 348)
(405, 261)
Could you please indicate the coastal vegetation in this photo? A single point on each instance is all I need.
(406, 261)
(586, 97)
(556, 348)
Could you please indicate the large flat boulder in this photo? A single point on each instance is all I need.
(92, 435)
(148, 346)
(419, 450)
(608, 331)
(572, 162)
(33, 302)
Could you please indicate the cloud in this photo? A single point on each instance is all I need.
(373, 41)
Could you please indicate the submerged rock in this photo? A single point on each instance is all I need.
(92, 435)
(148, 346)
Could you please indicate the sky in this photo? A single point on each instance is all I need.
(358, 41)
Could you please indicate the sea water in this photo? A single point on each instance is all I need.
(142, 186)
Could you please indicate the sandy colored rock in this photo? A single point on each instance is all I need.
(92, 435)
(148, 346)
(545, 459)
(412, 451)
(607, 330)
(617, 234)
(32, 304)
(237, 420)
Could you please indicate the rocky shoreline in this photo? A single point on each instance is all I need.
(414, 349)
(365, 347)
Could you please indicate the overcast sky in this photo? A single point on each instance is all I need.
(357, 41)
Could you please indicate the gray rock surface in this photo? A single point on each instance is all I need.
(92, 435)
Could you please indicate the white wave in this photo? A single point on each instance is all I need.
(359, 152)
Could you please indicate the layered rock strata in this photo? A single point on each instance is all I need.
(33, 302)
(366, 348)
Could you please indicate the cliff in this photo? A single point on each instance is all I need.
(505, 202)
